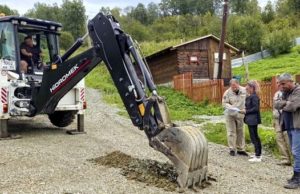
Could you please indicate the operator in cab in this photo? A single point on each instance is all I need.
(30, 55)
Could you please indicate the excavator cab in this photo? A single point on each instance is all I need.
(13, 32)
(21, 87)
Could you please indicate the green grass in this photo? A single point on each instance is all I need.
(216, 133)
(267, 118)
(99, 78)
(151, 47)
(180, 107)
(266, 68)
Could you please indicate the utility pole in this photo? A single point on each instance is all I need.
(223, 35)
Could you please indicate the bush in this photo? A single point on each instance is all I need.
(279, 42)
(66, 40)
(246, 32)
(297, 49)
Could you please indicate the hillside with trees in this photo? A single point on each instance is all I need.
(249, 28)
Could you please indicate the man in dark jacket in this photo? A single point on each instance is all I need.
(290, 121)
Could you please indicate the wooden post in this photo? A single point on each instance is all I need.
(191, 86)
(297, 79)
(246, 66)
(221, 85)
(222, 39)
(274, 87)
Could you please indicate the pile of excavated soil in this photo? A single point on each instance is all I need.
(162, 175)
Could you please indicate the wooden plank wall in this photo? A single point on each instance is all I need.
(197, 49)
(163, 68)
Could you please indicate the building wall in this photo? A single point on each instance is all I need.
(193, 57)
(163, 67)
(226, 69)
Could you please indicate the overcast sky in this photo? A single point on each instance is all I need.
(92, 6)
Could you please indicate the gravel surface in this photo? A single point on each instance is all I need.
(46, 160)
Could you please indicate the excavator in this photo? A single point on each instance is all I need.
(40, 91)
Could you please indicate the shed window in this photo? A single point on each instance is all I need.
(217, 56)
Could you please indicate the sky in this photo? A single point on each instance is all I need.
(92, 6)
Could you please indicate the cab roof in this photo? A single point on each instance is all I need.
(32, 22)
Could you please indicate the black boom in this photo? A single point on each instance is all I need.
(116, 49)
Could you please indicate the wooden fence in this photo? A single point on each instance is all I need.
(184, 83)
(212, 90)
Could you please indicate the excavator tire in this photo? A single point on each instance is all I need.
(62, 118)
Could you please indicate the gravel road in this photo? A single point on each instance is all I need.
(46, 160)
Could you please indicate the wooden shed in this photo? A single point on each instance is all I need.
(199, 56)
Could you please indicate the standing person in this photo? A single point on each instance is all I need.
(281, 136)
(290, 121)
(252, 117)
(234, 100)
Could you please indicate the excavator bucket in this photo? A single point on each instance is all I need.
(187, 148)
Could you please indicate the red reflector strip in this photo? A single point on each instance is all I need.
(82, 94)
(4, 95)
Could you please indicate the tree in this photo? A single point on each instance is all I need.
(294, 6)
(246, 32)
(66, 40)
(46, 12)
(194, 7)
(73, 17)
(279, 23)
(166, 28)
(140, 13)
(239, 7)
(252, 8)
(282, 8)
(210, 24)
(116, 12)
(279, 42)
(153, 12)
(7, 11)
(268, 14)
(137, 30)
(245, 7)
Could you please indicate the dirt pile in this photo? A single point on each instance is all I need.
(162, 175)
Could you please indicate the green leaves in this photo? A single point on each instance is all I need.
(279, 42)
(8, 11)
(71, 14)
(66, 40)
(246, 33)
